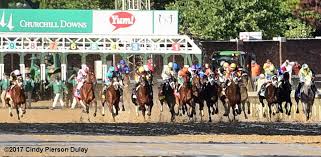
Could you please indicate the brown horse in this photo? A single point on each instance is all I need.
(210, 94)
(198, 94)
(17, 98)
(233, 96)
(112, 98)
(270, 96)
(186, 97)
(87, 92)
(143, 97)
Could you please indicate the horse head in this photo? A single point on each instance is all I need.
(90, 77)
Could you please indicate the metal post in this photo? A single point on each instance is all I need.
(22, 66)
(114, 60)
(280, 51)
(83, 58)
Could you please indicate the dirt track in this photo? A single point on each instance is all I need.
(131, 135)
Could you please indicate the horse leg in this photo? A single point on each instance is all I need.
(10, 107)
(290, 107)
(83, 105)
(234, 111)
(111, 110)
(122, 102)
(270, 111)
(137, 110)
(227, 108)
(95, 113)
(20, 111)
(209, 111)
(248, 107)
(216, 108)
(17, 110)
(143, 111)
(103, 108)
(243, 108)
(297, 104)
(201, 108)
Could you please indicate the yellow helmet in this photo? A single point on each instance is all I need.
(225, 65)
(233, 65)
(170, 65)
(141, 69)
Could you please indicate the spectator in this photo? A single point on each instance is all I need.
(269, 69)
(29, 85)
(4, 84)
(256, 69)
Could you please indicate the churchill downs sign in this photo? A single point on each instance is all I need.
(89, 21)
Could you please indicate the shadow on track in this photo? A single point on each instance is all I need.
(160, 129)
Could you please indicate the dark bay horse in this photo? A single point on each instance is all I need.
(233, 96)
(270, 96)
(143, 97)
(186, 97)
(284, 94)
(111, 98)
(210, 94)
(166, 95)
(307, 98)
(16, 99)
(87, 92)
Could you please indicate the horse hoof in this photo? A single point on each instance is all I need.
(103, 114)
(225, 114)
(248, 112)
(11, 114)
(24, 112)
(94, 115)
(297, 112)
(83, 111)
(210, 121)
(216, 111)
(123, 109)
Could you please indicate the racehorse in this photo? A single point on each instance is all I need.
(307, 98)
(143, 97)
(270, 95)
(17, 98)
(210, 94)
(184, 97)
(166, 95)
(87, 92)
(111, 97)
(197, 88)
(284, 94)
(233, 96)
(244, 94)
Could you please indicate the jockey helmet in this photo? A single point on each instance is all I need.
(141, 69)
(202, 74)
(122, 62)
(222, 63)
(109, 75)
(111, 69)
(186, 66)
(207, 65)
(170, 64)
(233, 66)
(146, 68)
(193, 67)
(16, 72)
(83, 66)
(185, 70)
(305, 66)
(225, 65)
(262, 76)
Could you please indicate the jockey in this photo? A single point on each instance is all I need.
(150, 79)
(14, 76)
(168, 71)
(176, 68)
(137, 77)
(261, 84)
(109, 75)
(207, 70)
(181, 75)
(122, 68)
(150, 65)
(82, 73)
(304, 74)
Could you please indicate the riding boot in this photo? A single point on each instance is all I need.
(298, 90)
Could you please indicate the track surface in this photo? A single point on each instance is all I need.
(131, 135)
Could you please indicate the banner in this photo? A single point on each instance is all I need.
(109, 22)
(45, 21)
